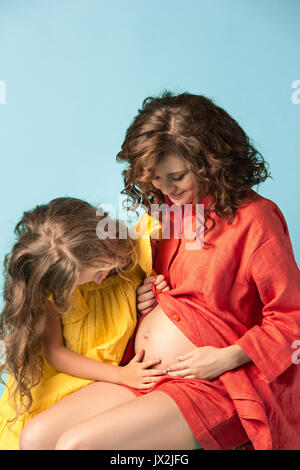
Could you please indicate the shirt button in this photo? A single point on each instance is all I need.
(176, 317)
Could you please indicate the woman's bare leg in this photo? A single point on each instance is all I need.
(151, 421)
(42, 431)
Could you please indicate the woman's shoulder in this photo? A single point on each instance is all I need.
(262, 216)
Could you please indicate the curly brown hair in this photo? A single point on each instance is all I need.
(211, 142)
(55, 242)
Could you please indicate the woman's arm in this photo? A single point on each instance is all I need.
(274, 271)
(136, 373)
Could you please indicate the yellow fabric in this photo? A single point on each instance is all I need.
(98, 325)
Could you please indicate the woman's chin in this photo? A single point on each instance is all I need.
(186, 199)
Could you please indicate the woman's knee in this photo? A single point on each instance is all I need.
(70, 440)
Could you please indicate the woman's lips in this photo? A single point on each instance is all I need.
(176, 196)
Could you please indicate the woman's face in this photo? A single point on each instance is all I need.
(174, 179)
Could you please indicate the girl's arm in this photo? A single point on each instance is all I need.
(70, 362)
(136, 373)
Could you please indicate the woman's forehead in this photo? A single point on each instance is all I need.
(170, 164)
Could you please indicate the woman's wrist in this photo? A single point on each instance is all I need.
(236, 356)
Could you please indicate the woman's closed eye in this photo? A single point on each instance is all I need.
(179, 178)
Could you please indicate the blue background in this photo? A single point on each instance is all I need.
(76, 72)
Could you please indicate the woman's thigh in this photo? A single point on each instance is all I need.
(151, 421)
(42, 431)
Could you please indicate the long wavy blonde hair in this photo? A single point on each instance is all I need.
(56, 241)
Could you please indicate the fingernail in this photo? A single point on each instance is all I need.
(179, 358)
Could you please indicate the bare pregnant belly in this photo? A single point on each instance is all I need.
(161, 339)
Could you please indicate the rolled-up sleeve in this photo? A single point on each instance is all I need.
(273, 269)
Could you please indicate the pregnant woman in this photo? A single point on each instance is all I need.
(225, 327)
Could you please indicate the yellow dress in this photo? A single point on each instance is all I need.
(98, 325)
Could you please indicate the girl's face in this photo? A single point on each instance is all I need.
(174, 179)
(95, 273)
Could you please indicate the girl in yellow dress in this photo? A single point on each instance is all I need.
(70, 309)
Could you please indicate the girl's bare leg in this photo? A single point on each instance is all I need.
(42, 431)
(151, 421)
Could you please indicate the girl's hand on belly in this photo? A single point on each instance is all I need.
(138, 374)
(146, 298)
(207, 362)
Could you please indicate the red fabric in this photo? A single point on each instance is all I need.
(224, 431)
(245, 290)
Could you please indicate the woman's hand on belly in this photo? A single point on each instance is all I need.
(208, 362)
(138, 374)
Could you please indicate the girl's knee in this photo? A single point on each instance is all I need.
(32, 437)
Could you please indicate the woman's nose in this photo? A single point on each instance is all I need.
(168, 187)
